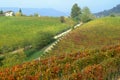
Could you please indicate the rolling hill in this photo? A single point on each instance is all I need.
(86, 53)
(93, 35)
(25, 30)
(115, 10)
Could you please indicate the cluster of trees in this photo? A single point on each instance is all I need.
(79, 14)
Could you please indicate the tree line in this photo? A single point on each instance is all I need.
(79, 14)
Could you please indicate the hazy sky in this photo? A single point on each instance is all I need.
(62, 5)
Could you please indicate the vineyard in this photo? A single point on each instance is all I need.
(93, 35)
(19, 32)
(90, 52)
(89, 65)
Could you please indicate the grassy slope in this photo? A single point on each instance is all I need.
(92, 63)
(95, 34)
(17, 32)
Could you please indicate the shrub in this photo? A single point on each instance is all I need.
(42, 39)
(62, 19)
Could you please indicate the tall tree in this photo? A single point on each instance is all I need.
(20, 11)
(86, 15)
(1, 12)
(75, 12)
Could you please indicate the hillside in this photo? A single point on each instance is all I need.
(93, 35)
(115, 10)
(19, 32)
(86, 53)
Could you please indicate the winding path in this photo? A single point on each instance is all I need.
(59, 37)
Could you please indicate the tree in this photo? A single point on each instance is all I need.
(62, 19)
(1, 12)
(75, 12)
(20, 11)
(86, 15)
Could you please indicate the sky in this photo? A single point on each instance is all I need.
(61, 5)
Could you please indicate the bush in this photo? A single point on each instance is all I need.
(13, 59)
(112, 15)
(62, 19)
(18, 14)
(41, 40)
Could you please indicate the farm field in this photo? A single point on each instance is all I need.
(96, 34)
(86, 53)
(19, 32)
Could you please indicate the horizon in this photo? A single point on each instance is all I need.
(56, 4)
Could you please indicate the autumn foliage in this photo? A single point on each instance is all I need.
(69, 66)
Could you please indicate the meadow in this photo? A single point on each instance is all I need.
(90, 52)
(19, 32)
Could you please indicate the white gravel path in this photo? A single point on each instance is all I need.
(59, 37)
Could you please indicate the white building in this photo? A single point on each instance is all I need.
(9, 13)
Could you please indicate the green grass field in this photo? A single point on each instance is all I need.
(18, 32)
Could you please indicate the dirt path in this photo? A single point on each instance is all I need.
(64, 33)
(59, 37)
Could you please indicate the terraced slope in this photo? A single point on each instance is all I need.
(81, 55)
(93, 35)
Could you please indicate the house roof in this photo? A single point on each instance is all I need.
(8, 11)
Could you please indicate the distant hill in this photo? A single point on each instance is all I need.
(41, 11)
(115, 10)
